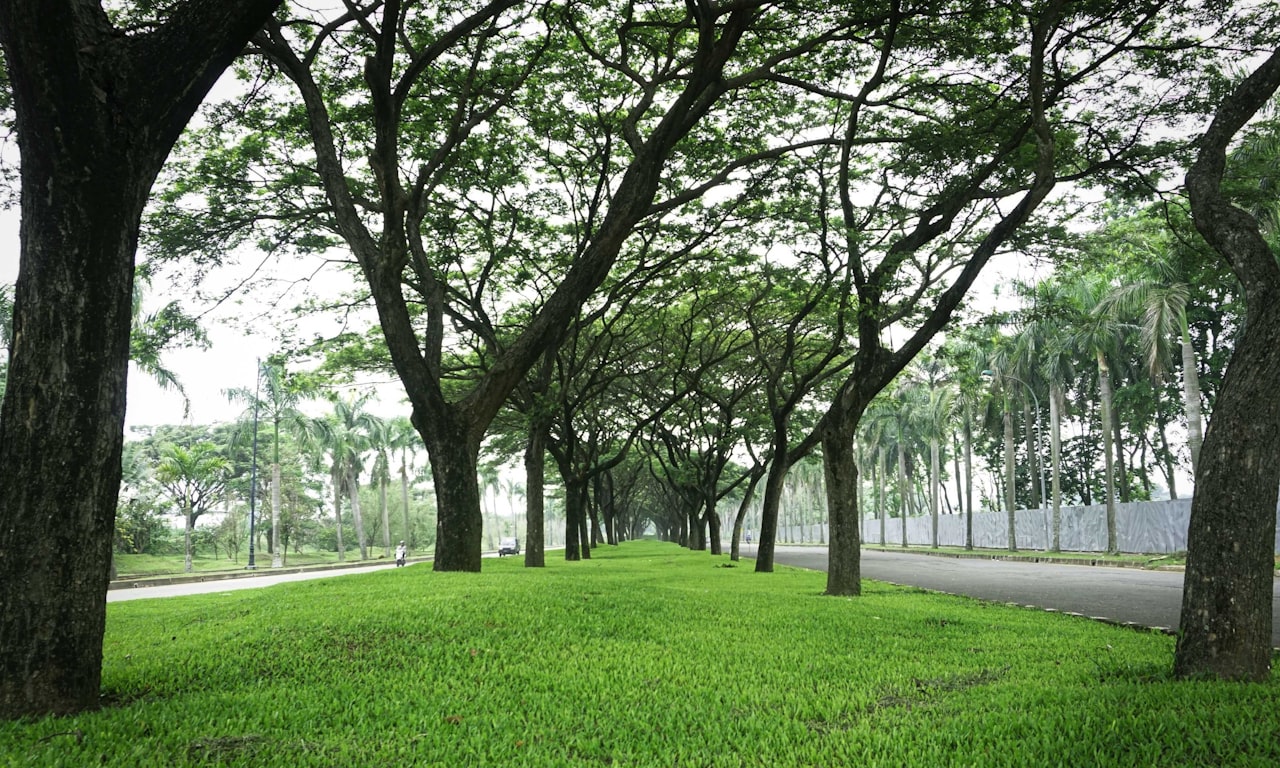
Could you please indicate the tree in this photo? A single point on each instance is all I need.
(98, 109)
(1227, 591)
(482, 104)
(194, 478)
(346, 435)
(275, 400)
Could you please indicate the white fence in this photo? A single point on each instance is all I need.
(1148, 526)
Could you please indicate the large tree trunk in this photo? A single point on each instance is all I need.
(454, 454)
(97, 112)
(1227, 590)
(535, 467)
(844, 564)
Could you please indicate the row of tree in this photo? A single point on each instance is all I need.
(509, 179)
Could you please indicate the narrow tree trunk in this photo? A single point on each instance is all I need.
(277, 556)
(1104, 388)
(935, 479)
(353, 486)
(188, 526)
(1010, 495)
(535, 467)
(769, 507)
(1227, 590)
(1191, 397)
(576, 547)
(880, 484)
(337, 513)
(968, 477)
(739, 520)
(386, 516)
(902, 488)
(406, 530)
(1029, 420)
(1055, 461)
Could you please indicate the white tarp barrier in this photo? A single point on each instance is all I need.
(1149, 526)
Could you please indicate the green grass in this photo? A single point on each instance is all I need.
(646, 655)
(150, 566)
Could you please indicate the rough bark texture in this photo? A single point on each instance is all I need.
(1226, 601)
(839, 460)
(454, 454)
(97, 113)
(535, 467)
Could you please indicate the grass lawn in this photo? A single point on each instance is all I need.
(646, 655)
(146, 566)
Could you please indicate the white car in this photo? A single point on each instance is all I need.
(508, 546)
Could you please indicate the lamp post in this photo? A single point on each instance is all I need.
(1044, 501)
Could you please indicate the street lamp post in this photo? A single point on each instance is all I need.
(1044, 501)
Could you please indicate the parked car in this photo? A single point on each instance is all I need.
(509, 546)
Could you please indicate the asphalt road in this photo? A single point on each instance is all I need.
(1147, 598)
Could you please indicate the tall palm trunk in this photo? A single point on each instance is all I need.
(336, 476)
(383, 482)
(968, 476)
(880, 483)
(353, 485)
(1010, 497)
(902, 489)
(935, 479)
(1055, 461)
(277, 555)
(1104, 390)
(1191, 397)
(189, 524)
(406, 531)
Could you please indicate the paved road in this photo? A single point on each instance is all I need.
(1148, 598)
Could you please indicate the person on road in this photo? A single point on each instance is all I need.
(401, 551)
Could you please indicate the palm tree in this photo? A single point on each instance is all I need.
(402, 436)
(1161, 299)
(276, 401)
(152, 334)
(1098, 333)
(193, 477)
(346, 435)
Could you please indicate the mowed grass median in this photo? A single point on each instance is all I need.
(645, 655)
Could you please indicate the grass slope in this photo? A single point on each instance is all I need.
(646, 655)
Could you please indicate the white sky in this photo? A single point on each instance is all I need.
(229, 363)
